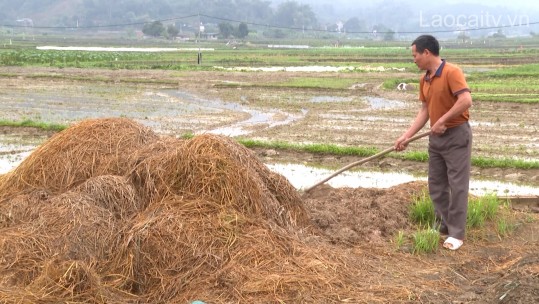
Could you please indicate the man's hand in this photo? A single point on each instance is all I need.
(400, 144)
(438, 129)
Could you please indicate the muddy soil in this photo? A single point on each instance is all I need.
(489, 268)
(360, 223)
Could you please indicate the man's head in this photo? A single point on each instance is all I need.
(425, 50)
(427, 42)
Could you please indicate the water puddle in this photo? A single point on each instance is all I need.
(379, 103)
(167, 111)
(373, 103)
(255, 118)
(14, 149)
(302, 177)
(12, 160)
(322, 99)
(478, 69)
(58, 108)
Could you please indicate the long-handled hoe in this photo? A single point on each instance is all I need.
(359, 162)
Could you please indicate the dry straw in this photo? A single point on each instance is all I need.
(108, 212)
(90, 148)
(219, 169)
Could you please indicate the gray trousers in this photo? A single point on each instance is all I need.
(449, 178)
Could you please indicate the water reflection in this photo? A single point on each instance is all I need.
(302, 177)
(15, 148)
(255, 118)
(10, 161)
(378, 103)
(320, 99)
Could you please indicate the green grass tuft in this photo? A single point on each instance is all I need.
(34, 124)
(422, 210)
(426, 241)
(482, 209)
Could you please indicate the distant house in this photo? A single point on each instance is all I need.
(182, 37)
(209, 36)
(26, 22)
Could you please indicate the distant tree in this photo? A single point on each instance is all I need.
(226, 29)
(275, 33)
(243, 30)
(463, 37)
(331, 27)
(292, 14)
(499, 34)
(380, 31)
(355, 25)
(172, 31)
(154, 29)
(389, 35)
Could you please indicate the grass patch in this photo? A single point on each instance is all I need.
(420, 156)
(422, 210)
(484, 212)
(530, 70)
(311, 148)
(481, 209)
(483, 162)
(514, 98)
(426, 241)
(34, 124)
(399, 239)
(505, 227)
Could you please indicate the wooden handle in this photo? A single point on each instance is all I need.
(359, 162)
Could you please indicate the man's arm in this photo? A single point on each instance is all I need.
(463, 103)
(420, 120)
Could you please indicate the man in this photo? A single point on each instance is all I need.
(445, 100)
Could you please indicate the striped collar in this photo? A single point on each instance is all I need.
(438, 72)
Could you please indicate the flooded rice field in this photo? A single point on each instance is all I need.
(206, 102)
(237, 244)
(302, 176)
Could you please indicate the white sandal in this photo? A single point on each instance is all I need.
(452, 243)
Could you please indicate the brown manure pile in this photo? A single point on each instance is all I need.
(108, 212)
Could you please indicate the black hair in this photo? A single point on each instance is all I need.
(427, 42)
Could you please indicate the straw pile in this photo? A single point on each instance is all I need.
(108, 212)
(218, 169)
(90, 148)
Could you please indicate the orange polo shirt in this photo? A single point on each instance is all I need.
(441, 91)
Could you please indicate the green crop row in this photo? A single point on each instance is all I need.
(39, 57)
(258, 55)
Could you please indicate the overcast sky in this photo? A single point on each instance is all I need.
(508, 3)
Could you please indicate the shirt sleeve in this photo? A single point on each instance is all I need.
(457, 82)
(421, 87)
